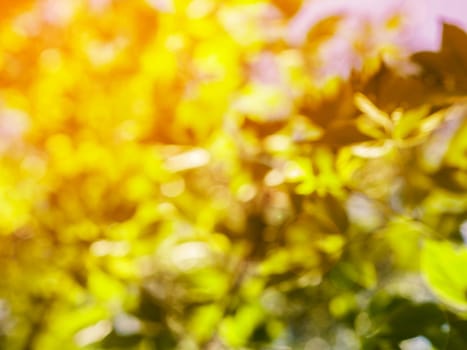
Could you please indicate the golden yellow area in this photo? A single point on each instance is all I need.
(183, 174)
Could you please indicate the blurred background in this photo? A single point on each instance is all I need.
(240, 174)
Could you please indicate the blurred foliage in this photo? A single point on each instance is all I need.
(178, 175)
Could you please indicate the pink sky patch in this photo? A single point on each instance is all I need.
(419, 28)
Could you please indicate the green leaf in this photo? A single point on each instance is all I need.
(235, 330)
(409, 122)
(372, 112)
(442, 265)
